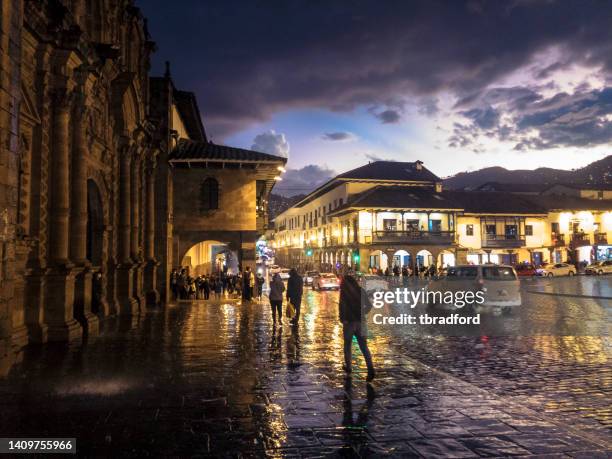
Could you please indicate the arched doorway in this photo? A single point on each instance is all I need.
(378, 259)
(401, 258)
(446, 259)
(210, 256)
(424, 258)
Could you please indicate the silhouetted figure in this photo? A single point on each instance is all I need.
(259, 282)
(276, 297)
(247, 284)
(352, 316)
(295, 288)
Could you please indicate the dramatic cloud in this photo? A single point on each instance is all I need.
(304, 180)
(342, 55)
(339, 136)
(535, 122)
(389, 116)
(271, 142)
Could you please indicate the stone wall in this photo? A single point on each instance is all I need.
(11, 241)
(78, 166)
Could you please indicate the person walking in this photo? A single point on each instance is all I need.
(247, 283)
(259, 283)
(352, 316)
(174, 284)
(218, 288)
(206, 286)
(295, 288)
(276, 298)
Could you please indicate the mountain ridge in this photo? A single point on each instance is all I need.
(597, 172)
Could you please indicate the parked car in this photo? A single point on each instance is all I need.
(372, 282)
(557, 269)
(274, 269)
(326, 281)
(309, 276)
(599, 267)
(284, 273)
(525, 269)
(499, 283)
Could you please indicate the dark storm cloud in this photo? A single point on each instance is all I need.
(304, 180)
(389, 116)
(338, 136)
(484, 118)
(247, 60)
(532, 121)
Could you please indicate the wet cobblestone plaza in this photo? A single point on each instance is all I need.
(216, 379)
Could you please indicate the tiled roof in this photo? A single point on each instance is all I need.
(552, 202)
(405, 197)
(494, 202)
(391, 170)
(207, 151)
(583, 186)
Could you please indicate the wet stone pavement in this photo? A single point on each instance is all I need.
(206, 379)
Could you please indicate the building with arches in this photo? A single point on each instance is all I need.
(88, 210)
(390, 214)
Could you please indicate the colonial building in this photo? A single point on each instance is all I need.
(87, 219)
(77, 148)
(220, 204)
(387, 214)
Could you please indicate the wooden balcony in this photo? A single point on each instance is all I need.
(503, 241)
(414, 237)
(601, 238)
(580, 240)
(558, 240)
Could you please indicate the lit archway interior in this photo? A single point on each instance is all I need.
(446, 259)
(401, 258)
(210, 256)
(378, 259)
(424, 258)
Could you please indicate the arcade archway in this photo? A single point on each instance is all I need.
(424, 258)
(209, 257)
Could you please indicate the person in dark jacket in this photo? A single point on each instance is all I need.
(295, 288)
(354, 305)
(276, 297)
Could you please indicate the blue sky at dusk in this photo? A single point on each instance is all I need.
(458, 85)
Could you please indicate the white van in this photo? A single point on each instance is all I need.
(499, 283)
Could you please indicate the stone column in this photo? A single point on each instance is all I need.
(125, 286)
(78, 224)
(135, 251)
(151, 266)
(60, 282)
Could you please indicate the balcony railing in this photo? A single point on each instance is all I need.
(601, 238)
(503, 241)
(580, 240)
(413, 237)
(558, 240)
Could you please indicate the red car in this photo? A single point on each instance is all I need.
(525, 269)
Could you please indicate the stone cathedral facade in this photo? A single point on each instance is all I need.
(78, 164)
(90, 145)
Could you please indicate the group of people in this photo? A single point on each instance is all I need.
(405, 271)
(353, 307)
(216, 285)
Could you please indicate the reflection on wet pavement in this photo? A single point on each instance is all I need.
(219, 380)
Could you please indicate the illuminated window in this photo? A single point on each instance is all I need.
(469, 230)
